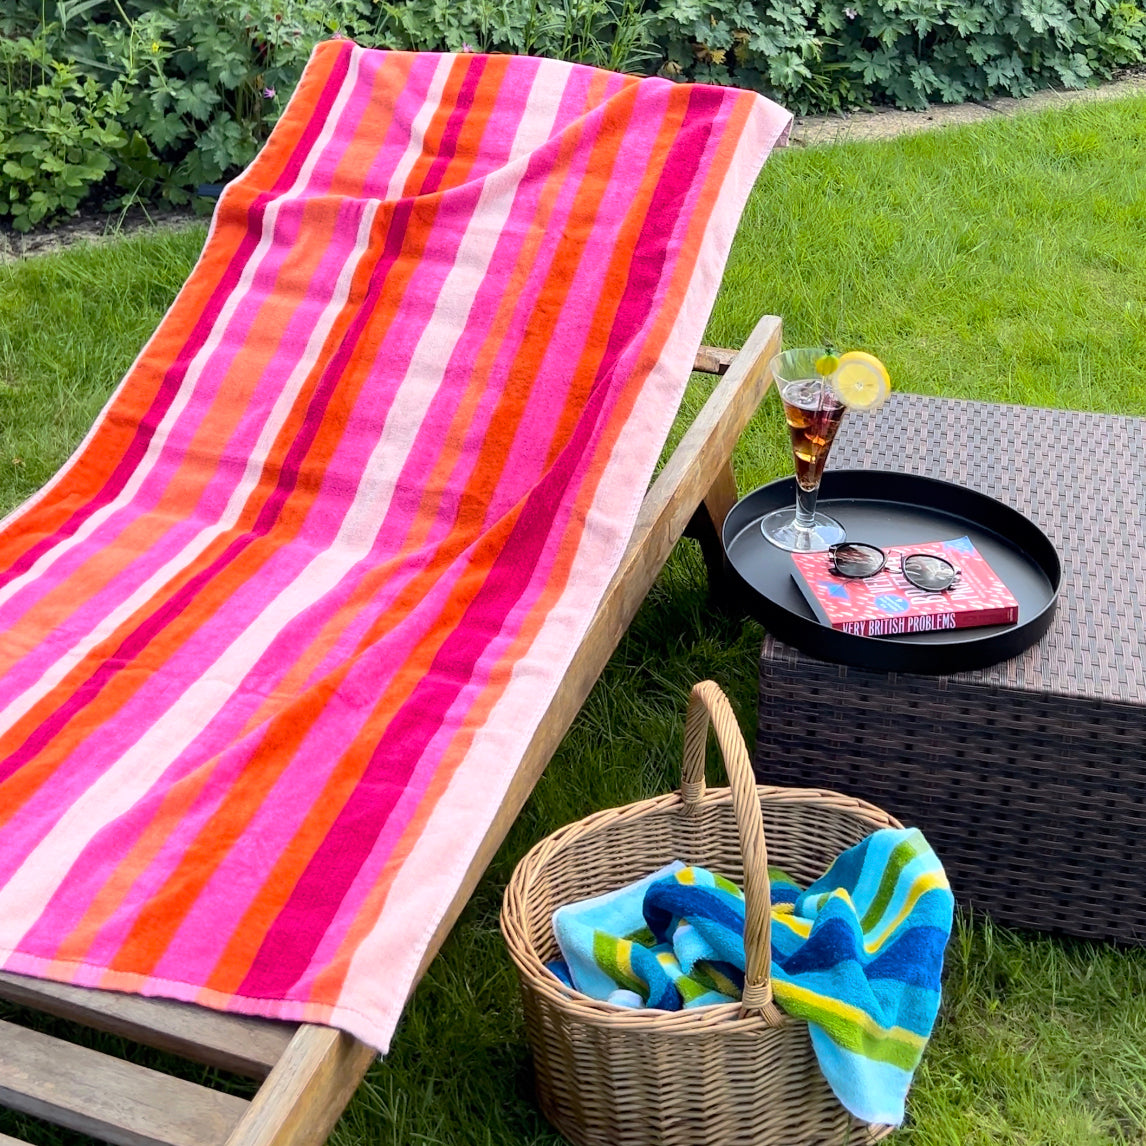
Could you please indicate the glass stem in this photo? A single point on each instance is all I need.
(806, 507)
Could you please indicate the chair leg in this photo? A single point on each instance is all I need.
(706, 523)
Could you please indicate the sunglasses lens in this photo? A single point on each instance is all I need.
(932, 573)
(852, 560)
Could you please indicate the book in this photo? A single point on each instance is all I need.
(888, 605)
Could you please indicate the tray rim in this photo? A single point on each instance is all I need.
(886, 654)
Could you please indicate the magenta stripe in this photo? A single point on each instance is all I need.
(221, 472)
(676, 178)
(316, 118)
(454, 124)
(312, 906)
(150, 627)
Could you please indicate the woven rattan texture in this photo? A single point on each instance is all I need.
(608, 1076)
(1027, 777)
(1082, 479)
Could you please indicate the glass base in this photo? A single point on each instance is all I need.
(779, 527)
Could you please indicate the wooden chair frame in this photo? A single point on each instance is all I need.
(310, 1072)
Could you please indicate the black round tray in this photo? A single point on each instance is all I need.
(889, 508)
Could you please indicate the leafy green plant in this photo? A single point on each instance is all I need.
(616, 34)
(206, 79)
(59, 131)
(816, 56)
(121, 101)
(194, 86)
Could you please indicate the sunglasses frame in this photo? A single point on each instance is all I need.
(956, 572)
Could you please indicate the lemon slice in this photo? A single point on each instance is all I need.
(861, 381)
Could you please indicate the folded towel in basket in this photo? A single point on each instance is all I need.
(858, 955)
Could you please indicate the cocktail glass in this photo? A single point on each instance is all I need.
(813, 413)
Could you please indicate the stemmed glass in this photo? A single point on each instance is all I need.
(813, 412)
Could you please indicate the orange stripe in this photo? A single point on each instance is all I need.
(619, 264)
(232, 966)
(476, 122)
(193, 473)
(354, 164)
(436, 128)
(19, 787)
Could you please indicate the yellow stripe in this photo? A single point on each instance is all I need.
(794, 923)
(926, 882)
(625, 959)
(783, 915)
(853, 1015)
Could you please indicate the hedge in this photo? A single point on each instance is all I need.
(113, 102)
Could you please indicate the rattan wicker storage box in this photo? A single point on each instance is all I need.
(1028, 777)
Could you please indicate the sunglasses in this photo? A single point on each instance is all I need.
(924, 571)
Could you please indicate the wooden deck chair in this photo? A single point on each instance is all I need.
(287, 642)
(310, 1072)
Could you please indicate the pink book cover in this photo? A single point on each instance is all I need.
(889, 605)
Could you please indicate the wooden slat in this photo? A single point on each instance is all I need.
(237, 1043)
(108, 1098)
(714, 359)
(307, 1091)
(698, 466)
(6, 1141)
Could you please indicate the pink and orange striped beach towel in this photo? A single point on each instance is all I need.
(273, 642)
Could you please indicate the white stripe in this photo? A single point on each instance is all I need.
(194, 371)
(191, 552)
(417, 141)
(544, 102)
(435, 345)
(428, 878)
(131, 777)
(133, 774)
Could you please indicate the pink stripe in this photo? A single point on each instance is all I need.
(398, 109)
(454, 124)
(291, 941)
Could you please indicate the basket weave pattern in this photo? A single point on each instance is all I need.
(737, 1074)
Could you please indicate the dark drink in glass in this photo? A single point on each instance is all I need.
(813, 413)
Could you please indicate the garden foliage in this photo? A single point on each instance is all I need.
(147, 101)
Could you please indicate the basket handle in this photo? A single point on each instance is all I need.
(707, 702)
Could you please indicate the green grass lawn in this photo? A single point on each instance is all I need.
(1004, 261)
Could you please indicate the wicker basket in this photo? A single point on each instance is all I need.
(737, 1073)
